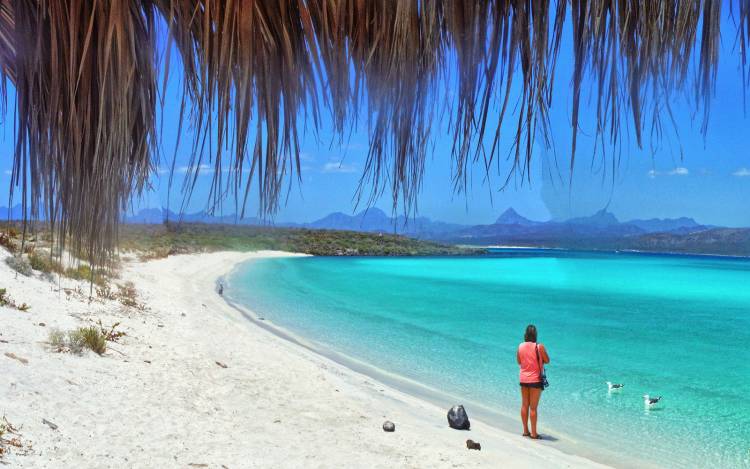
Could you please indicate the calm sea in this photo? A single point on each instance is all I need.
(671, 326)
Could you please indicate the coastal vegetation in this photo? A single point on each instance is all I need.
(154, 241)
(6, 300)
(94, 338)
(45, 263)
(19, 264)
(9, 437)
(76, 340)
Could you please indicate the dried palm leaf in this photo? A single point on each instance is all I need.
(257, 71)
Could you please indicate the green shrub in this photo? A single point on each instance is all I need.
(92, 338)
(56, 340)
(8, 242)
(19, 264)
(110, 334)
(128, 295)
(83, 272)
(6, 300)
(77, 340)
(44, 263)
(106, 292)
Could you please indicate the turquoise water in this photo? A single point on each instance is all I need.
(673, 326)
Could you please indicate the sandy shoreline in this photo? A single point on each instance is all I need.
(276, 403)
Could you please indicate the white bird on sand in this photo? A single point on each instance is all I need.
(650, 401)
(614, 386)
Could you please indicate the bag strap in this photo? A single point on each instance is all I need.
(539, 360)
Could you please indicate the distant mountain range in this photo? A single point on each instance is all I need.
(601, 230)
(13, 213)
(151, 216)
(372, 220)
(510, 227)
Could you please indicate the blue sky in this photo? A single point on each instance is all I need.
(709, 181)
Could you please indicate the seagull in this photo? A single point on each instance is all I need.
(614, 386)
(650, 401)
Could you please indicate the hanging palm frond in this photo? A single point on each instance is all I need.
(255, 72)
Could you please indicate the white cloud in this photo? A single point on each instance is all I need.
(679, 171)
(742, 172)
(338, 167)
(203, 168)
(8, 172)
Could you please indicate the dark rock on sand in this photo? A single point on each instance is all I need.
(389, 426)
(458, 419)
(471, 444)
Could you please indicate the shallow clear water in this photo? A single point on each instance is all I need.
(673, 326)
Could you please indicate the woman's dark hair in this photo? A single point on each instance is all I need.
(530, 335)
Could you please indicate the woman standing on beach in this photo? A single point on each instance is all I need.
(531, 358)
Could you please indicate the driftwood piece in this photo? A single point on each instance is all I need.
(16, 357)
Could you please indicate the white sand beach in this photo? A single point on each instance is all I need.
(158, 398)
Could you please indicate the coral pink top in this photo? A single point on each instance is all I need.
(530, 364)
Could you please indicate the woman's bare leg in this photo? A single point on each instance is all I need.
(525, 409)
(534, 396)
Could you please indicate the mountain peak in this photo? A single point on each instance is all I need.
(600, 218)
(511, 217)
(654, 225)
(372, 212)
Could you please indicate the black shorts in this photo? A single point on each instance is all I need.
(533, 385)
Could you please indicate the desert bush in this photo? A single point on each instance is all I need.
(83, 272)
(44, 263)
(105, 292)
(110, 334)
(154, 254)
(128, 294)
(87, 337)
(78, 339)
(19, 264)
(6, 300)
(8, 242)
(75, 342)
(57, 340)
(7, 428)
(93, 339)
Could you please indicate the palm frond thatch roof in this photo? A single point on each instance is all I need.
(86, 75)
